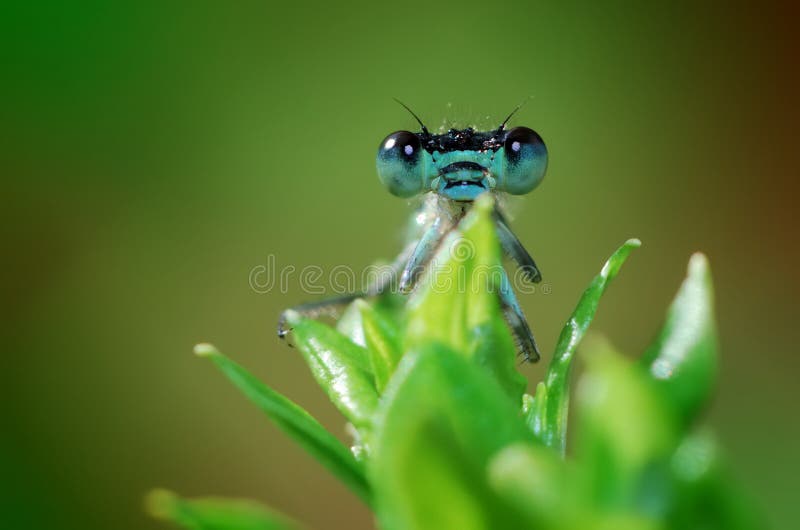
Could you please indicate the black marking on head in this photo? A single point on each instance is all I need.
(462, 140)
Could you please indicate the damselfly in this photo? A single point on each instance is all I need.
(451, 170)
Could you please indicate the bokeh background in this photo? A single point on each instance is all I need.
(153, 154)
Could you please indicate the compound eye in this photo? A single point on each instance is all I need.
(518, 139)
(403, 145)
(525, 161)
(399, 164)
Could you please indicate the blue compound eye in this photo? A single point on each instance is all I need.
(523, 161)
(399, 163)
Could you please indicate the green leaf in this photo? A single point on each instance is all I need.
(538, 483)
(441, 421)
(213, 513)
(706, 494)
(295, 421)
(682, 361)
(533, 409)
(634, 461)
(457, 303)
(341, 367)
(383, 343)
(624, 434)
(349, 324)
(550, 423)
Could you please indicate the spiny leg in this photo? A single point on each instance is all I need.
(517, 322)
(333, 305)
(327, 307)
(411, 261)
(513, 247)
(423, 253)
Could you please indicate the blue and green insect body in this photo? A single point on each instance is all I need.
(451, 170)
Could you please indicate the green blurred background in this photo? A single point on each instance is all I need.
(152, 155)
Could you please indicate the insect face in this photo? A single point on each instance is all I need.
(462, 164)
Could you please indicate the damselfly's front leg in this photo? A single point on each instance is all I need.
(423, 253)
(513, 247)
(516, 321)
(332, 306)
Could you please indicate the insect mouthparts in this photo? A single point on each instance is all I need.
(458, 166)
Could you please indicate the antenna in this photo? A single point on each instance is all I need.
(503, 125)
(424, 129)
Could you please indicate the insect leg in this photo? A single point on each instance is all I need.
(422, 254)
(326, 307)
(513, 247)
(517, 322)
(332, 306)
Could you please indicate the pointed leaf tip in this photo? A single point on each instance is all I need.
(217, 513)
(292, 316)
(205, 349)
(551, 416)
(698, 264)
(484, 203)
(683, 359)
(159, 503)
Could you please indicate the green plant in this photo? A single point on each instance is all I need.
(446, 438)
